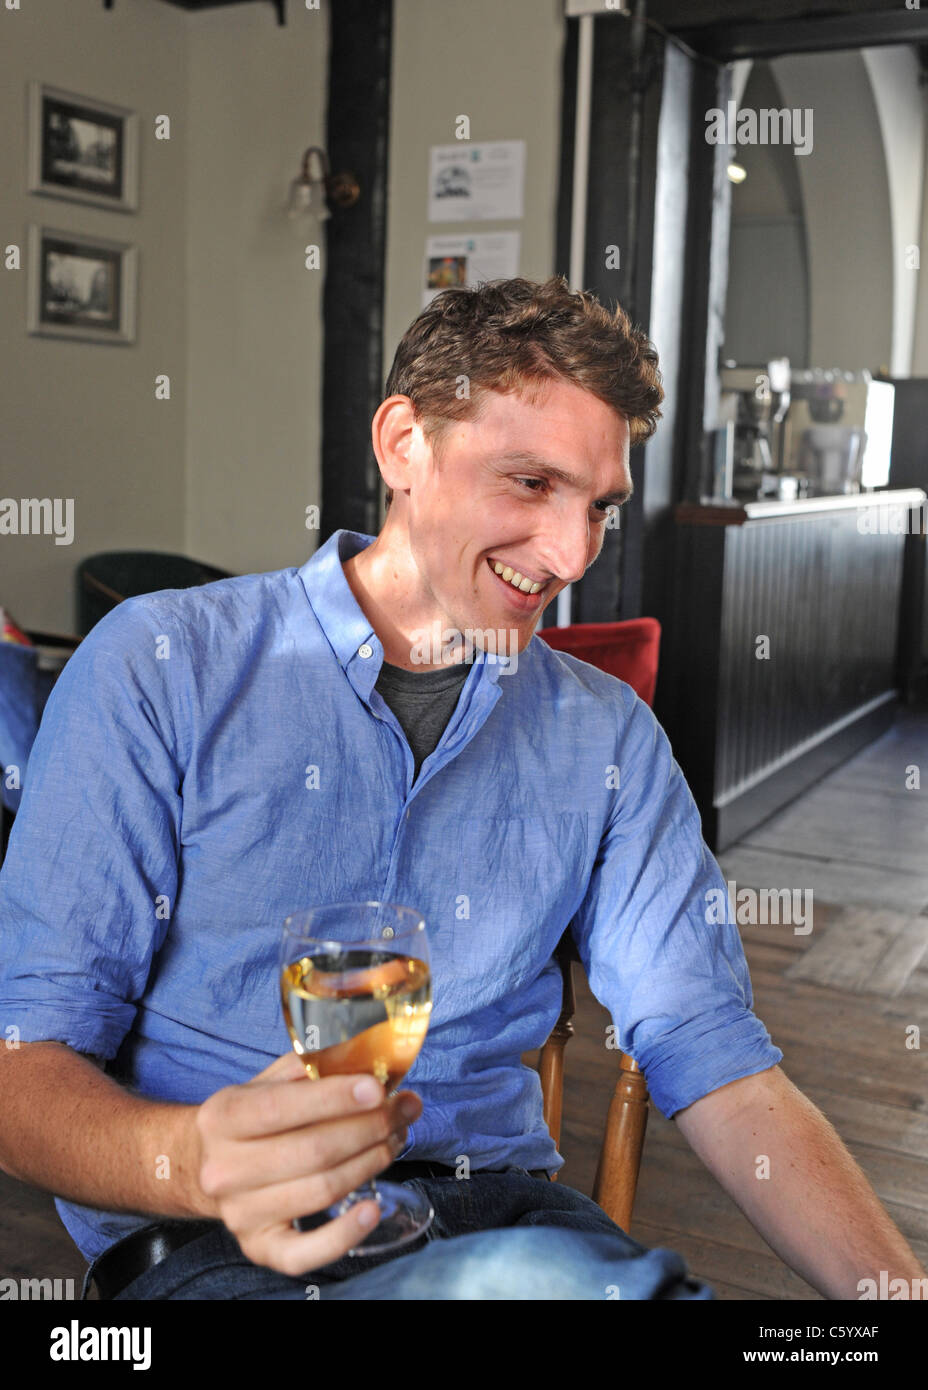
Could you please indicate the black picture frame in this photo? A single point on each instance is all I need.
(82, 149)
(81, 286)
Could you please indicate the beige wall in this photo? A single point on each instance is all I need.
(846, 203)
(80, 420)
(225, 469)
(499, 64)
(766, 311)
(257, 97)
(863, 203)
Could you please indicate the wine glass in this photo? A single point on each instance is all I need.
(356, 990)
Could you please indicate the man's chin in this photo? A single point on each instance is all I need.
(496, 638)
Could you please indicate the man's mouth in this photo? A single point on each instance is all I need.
(523, 584)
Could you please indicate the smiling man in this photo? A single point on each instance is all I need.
(534, 525)
(212, 760)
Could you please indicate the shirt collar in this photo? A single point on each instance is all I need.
(348, 630)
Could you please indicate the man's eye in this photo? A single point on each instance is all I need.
(534, 484)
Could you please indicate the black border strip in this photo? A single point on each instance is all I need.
(357, 142)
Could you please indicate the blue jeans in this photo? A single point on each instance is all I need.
(499, 1236)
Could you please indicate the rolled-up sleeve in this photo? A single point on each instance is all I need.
(90, 876)
(676, 985)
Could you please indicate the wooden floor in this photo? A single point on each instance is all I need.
(836, 1001)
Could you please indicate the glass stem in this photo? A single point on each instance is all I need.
(368, 1191)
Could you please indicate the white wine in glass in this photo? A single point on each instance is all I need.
(356, 990)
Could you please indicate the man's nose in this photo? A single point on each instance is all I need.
(565, 548)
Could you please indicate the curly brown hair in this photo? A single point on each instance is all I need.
(507, 334)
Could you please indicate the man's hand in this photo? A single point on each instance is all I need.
(282, 1146)
(810, 1200)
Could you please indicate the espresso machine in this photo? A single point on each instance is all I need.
(791, 433)
(839, 431)
(753, 406)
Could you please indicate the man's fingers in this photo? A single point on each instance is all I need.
(273, 1106)
(300, 1252)
(288, 1067)
(318, 1146)
(273, 1151)
(303, 1192)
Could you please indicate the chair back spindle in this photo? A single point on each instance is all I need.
(629, 651)
(626, 1123)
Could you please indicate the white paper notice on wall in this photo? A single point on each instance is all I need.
(455, 262)
(476, 182)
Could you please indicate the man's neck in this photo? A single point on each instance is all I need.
(363, 571)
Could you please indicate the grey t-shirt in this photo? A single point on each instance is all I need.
(423, 702)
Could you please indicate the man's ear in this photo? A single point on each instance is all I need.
(392, 433)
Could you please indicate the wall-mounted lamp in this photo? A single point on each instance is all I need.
(737, 172)
(313, 197)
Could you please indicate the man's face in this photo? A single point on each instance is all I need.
(490, 501)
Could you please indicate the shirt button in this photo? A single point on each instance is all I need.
(388, 931)
(365, 650)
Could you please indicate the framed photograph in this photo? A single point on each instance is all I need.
(81, 287)
(82, 149)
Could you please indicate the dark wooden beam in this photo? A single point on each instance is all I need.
(279, 5)
(762, 39)
(690, 14)
(357, 141)
(565, 182)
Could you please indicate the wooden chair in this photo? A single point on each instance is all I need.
(27, 674)
(105, 580)
(628, 650)
(623, 1140)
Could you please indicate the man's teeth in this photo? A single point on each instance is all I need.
(514, 577)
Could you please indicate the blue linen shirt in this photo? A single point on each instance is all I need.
(213, 759)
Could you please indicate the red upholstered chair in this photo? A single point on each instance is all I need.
(629, 651)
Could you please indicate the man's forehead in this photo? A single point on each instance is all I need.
(544, 397)
(512, 420)
(516, 434)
